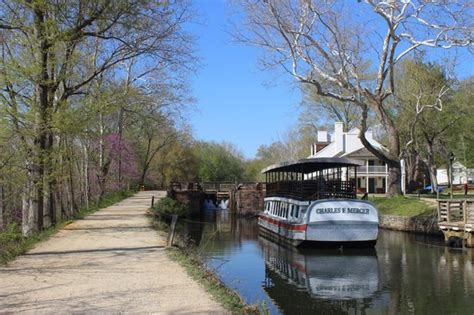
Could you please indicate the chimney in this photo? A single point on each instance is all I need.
(339, 136)
(321, 143)
(369, 134)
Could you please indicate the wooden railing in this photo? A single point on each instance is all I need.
(214, 187)
(218, 186)
(456, 213)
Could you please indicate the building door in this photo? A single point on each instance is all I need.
(371, 185)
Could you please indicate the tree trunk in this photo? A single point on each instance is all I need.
(394, 181)
(86, 177)
(434, 180)
(431, 164)
(143, 176)
(2, 209)
(29, 209)
(392, 158)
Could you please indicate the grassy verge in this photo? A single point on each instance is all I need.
(13, 244)
(403, 206)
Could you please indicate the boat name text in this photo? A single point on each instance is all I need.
(343, 210)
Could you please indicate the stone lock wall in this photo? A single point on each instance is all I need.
(247, 200)
(422, 224)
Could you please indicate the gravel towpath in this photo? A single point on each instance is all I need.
(112, 261)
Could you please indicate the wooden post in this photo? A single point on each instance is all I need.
(174, 219)
(464, 210)
(152, 201)
(439, 210)
(448, 211)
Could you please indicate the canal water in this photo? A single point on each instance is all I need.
(404, 274)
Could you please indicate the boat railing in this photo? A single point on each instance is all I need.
(312, 189)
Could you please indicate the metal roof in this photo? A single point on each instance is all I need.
(311, 165)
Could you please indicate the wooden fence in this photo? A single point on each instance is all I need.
(456, 214)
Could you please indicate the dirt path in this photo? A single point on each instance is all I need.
(112, 261)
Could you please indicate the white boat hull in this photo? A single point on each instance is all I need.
(328, 221)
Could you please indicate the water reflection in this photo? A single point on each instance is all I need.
(327, 274)
(404, 274)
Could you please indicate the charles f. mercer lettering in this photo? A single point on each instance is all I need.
(342, 210)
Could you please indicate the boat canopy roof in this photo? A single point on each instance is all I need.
(311, 165)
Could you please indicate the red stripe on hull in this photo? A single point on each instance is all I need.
(288, 226)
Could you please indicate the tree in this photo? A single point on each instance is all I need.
(218, 162)
(154, 134)
(320, 111)
(339, 50)
(54, 52)
(426, 113)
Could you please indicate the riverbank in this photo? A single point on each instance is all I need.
(13, 244)
(189, 257)
(112, 261)
(407, 214)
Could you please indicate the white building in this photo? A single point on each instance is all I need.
(372, 177)
(461, 175)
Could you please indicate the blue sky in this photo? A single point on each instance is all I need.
(236, 101)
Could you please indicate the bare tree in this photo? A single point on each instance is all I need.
(349, 51)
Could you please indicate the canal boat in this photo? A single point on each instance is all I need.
(313, 202)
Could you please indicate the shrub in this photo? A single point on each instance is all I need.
(167, 207)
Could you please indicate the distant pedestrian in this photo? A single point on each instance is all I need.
(466, 188)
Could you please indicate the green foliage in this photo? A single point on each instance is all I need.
(12, 243)
(168, 206)
(403, 206)
(218, 162)
(448, 126)
(253, 170)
